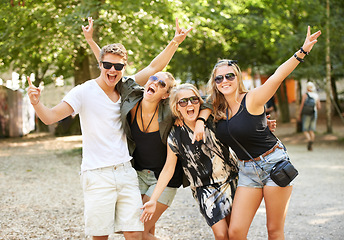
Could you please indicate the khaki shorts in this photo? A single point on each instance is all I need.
(112, 200)
(147, 183)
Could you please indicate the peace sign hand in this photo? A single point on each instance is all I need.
(33, 92)
(180, 33)
(88, 30)
(310, 39)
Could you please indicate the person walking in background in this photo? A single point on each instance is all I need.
(271, 108)
(112, 198)
(209, 165)
(308, 114)
(240, 115)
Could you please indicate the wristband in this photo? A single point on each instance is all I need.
(297, 58)
(175, 43)
(202, 119)
(303, 51)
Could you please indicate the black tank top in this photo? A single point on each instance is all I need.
(251, 131)
(150, 153)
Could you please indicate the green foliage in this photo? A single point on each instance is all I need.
(45, 36)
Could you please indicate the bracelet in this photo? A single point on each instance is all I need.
(202, 119)
(175, 43)
(298, 59)
(303, 51)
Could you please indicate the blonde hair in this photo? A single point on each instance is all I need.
(174, 97)
(216, 97)
(115, 48)
(172, 80)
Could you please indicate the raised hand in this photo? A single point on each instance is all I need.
(310, 39)
(88, 30)
(180, 33)
(33, 92)
(148, 211)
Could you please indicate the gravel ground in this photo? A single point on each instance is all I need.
(41, 198)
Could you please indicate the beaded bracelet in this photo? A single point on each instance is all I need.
(297, 58)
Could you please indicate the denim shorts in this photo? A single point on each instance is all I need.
(309, 122)
(251, 175)
(147, 183)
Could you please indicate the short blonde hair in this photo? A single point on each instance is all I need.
(115, 48)
(215, 96)
(172, 80)
(174, 97)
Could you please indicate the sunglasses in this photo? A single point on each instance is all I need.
(184, 101)
(161, 83)
(108, 65)
(229, 76)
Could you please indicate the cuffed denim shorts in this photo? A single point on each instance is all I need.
(309, 123)
(251, 175)
(147, 183)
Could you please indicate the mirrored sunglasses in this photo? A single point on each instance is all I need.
(184, 101)
(229, 76)
(108, 65)
(161, 83)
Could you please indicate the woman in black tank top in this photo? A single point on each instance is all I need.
(240, 114)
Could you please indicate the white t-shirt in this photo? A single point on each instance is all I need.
(104, 142)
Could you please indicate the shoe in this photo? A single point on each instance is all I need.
(309, 146)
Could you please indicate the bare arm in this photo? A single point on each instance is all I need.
(161, 61)
(164, 178)
(47, 115)
(88, 33)
(257, 97)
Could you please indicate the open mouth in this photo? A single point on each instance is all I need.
(112, 77)
(190, 112)
(150, 90)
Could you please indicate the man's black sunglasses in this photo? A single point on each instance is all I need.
(108, 65)
(229, 76)
(184, 101)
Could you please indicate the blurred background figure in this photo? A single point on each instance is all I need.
(271, 108)
(310, 104)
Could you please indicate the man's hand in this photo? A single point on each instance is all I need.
(33, 92)
(88, 30)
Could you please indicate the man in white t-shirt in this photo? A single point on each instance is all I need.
(111, 195)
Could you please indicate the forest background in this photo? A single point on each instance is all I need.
(44, 37)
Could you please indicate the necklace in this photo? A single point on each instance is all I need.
(143, 128)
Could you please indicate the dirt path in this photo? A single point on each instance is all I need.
(41, 198)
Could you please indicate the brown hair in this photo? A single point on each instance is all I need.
(115, 48)
(216, 97)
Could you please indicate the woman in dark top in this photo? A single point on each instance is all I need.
(240, 114)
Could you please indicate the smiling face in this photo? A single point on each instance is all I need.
(110, 77)
(157, 87)
(191, 110)
(227, 86)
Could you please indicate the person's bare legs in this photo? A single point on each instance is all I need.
(132, 235)
(100, 237)
(245, 205)
(220, 229)
(149, 231)
(276, 204)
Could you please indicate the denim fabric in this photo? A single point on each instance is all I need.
(251, 175)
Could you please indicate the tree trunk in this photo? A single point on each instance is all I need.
(328, 71)
(283, 103)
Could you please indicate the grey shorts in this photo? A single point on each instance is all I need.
(147, 183)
